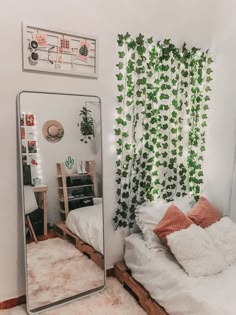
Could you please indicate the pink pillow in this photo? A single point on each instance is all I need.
(173, 220)
(203, 213)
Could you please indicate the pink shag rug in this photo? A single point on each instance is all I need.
(57, 270)
(114, 300)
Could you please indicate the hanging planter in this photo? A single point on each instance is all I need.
(86, 125)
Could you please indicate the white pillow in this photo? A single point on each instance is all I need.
(30, 200)
(148, 215)
(223, 235)
(195, 251)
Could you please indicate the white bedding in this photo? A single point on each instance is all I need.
(87, 223)
(171, 287)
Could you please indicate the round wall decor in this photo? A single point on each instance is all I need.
(53, 131)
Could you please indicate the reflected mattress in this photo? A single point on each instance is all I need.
(87, 223)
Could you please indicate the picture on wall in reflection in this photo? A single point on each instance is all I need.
(22, 119)
(23, 147)
(22, 133)
(32, 148)
(29, 120)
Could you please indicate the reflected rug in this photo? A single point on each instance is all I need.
(114, 300)
(57, 270)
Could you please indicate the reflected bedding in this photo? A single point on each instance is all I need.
(87, 223)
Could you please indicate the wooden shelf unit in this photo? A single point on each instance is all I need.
(63, 188)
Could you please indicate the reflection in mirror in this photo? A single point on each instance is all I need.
(61, 164)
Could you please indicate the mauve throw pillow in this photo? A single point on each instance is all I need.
(203, 213)
(173, 220)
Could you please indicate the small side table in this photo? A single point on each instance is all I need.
(41, 193)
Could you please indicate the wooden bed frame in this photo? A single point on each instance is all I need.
(63, 232)
(123, 274)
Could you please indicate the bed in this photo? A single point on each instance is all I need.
(87, 224)
(172, 288)
(84, 228)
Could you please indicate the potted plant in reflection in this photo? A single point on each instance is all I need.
(86, 125)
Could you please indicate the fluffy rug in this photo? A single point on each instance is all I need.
(114, 300)
(57, 270)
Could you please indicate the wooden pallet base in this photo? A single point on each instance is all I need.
(63, 232)
(122, 273)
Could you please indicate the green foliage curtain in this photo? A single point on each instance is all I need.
(163, 96)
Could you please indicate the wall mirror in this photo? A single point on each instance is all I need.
(60, 151)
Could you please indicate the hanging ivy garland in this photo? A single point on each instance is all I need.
(163, 96)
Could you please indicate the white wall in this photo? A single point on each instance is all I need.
(204, 23)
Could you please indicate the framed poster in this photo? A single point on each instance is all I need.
(58, 51)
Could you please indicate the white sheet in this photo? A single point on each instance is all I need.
(87, 223)
(179, 293)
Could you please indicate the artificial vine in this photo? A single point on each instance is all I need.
(163, 97)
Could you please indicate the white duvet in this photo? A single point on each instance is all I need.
(87, 223)
(171, 287)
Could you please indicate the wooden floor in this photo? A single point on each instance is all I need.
(123, 274)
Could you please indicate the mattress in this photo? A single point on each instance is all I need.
(172, 288)
(87, 223)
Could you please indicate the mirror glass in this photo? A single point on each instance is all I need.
(61, 167)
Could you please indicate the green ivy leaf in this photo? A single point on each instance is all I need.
(120, 87)
(141, 50)
(121, 54)
(129, 103)
(175, 103)
(120, 98)
(119, 76)
(128, 158)
(128, 117)
(174, 114)
(132, 45)
(150, 40)
(119, 110)
(139, 93)
(120, 65)
(120, 39)
(117, 132)
(209, 60)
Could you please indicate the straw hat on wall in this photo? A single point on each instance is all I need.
(53, 131)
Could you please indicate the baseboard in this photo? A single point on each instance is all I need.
(110, 272)
(12, 302)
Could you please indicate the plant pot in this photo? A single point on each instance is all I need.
(70, 171)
